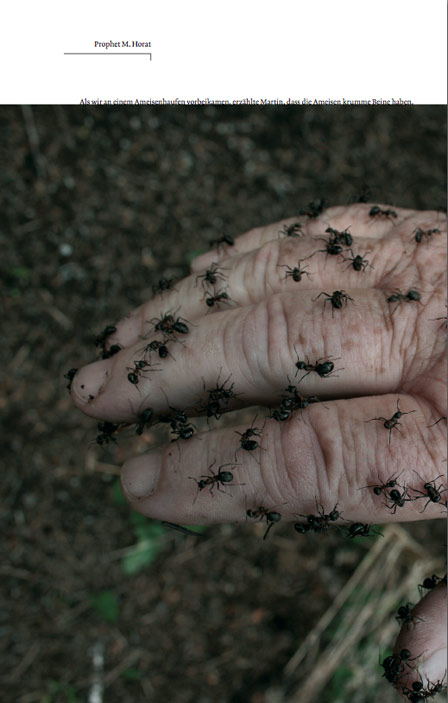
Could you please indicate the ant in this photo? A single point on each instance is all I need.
(398, 297)
(106, 430)
(391, 482)
(420, 233)
(394, 499)
(183, 431)
(314, 208)
(114, 349)
(394, 665)
(246, 442)
(430, 582)
(296, 273)
(215, 479)
(337, 298)
(324, 370)
(359, 263)
(261, 513)
(332, 248)
(211, 300)
(345, 237)
(169, 325)
(294, 401)
(70, 375)
(221, 392)
(376, 211)
(359, 529)
(432, 493)
(320, 522)
(280, 414)
(293, 230)
(100, 339)
(225, 239)
(158, 346)
(135, 373)
(212, 275)
(405, 614)
(163, 285)
(419, 693)
(393, 422)
(143, 420)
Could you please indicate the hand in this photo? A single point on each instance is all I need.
(389, 367)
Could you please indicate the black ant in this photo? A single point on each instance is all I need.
(324, 370)
(320, 522)
(70, 375)
(184, 431)
(221, 392)
(418, 692)
(211, 276)
(212, 300)
(337, 299)
(169, 325)
(430, 582)
(359, 529)
(399, 297)
(246, 442)
(113, 349)
(394, 665)
(225, 239)
(280, 414)
(293, 230)
(271, 516)
(143, 420)
(345, 237)
(135, 373)
(332, 248)
(405, 614)
(163, 285)
(296, 273)
(394, 499)
(100, 339)
(314, 208)
(432, 492)
(376, 211)
(358, 262)
(107, 432)
(391, 482)
(157, 346)
(294, 401)
(393, 421)
(215, 479)
(419, 233)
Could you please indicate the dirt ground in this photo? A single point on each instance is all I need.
(97, 604)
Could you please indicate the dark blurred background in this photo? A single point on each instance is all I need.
(98, 603)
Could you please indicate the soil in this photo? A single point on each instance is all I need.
(97, 205)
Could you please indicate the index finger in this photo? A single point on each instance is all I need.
(355, 217)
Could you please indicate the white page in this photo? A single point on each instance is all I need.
(59, 53)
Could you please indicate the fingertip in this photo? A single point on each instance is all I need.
(140, 476)
(89, 382)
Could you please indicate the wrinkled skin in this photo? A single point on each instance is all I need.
(388, 352)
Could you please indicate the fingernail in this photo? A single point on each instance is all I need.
(435, 666)
(140, 476)
(90, 379)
